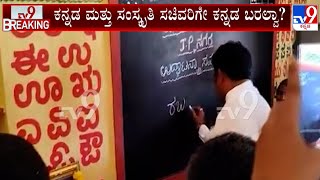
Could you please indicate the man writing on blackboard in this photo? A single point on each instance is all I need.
(245, 110)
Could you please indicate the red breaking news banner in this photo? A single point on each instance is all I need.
(147, 17)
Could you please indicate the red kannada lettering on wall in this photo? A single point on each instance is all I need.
(52, 88)
(92, 34)
(85, 124)
(74, 48)
(89, 147)
(22, 132)
(59, 126)
(25, 34)
(283, 51)
(91, 142)
(285, 68)
(283, 36)
(277, 72)
(277, 51)
(59, 151)
(288, 36)
(78, 78)
(25, 61)
(288, 50)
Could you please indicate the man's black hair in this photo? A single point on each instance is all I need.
(19, 160)
(234, 60)
(226, 157)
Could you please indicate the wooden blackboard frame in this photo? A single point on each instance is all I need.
(117, 101)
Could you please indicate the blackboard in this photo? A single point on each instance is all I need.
(159, 142)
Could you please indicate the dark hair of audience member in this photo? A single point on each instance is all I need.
(234, 60)
(19, 160)
(281, 90)
(226, 157)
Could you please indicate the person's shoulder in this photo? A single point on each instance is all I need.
(263, 102)
(262, 110)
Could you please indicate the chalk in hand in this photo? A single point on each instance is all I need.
(191, 108)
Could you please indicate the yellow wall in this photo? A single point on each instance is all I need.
(70, 145)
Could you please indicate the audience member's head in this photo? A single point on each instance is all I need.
(19, 160)
(226, 157)
(281, 90)
(232, 63)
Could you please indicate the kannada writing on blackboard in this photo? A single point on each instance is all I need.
(176, 71)
(203, 42)
(194, 51)
(167, 34)
(176, 106)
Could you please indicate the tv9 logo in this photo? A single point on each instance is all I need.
(247, 103)
(23, 17)
(26, 12)
(305, 17)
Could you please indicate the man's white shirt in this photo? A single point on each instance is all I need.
(244, 112)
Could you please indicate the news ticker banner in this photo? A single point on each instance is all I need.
(146, 17)
(50, 80)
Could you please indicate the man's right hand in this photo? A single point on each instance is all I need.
(198, 115)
